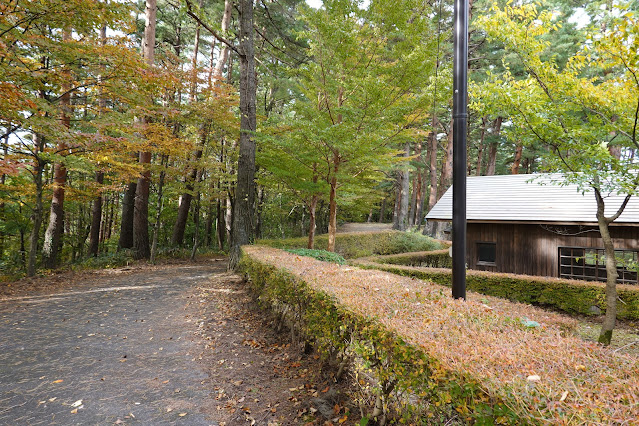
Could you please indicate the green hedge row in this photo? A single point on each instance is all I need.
(571, 296)
(430, 259)
(407, 380)
(362, 244)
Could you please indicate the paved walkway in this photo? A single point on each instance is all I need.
(118, 351)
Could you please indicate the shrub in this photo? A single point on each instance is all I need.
(113, 259)
(362, 244)
(323, 255)
(431, 259)
(571, 296)
(480, 360)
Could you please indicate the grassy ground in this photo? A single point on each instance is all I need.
(625, 338)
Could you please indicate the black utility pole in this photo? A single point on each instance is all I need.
(460, 122)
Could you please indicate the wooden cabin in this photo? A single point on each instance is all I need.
(526, 224)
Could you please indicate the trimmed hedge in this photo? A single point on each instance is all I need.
(341, 334)
(445, 360)
(431, 259)
(571, 296)
(361, 244)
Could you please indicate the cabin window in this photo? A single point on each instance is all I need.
(486, 253)
(582, 263)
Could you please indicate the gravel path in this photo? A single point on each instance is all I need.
(119, 351)
(176, 344)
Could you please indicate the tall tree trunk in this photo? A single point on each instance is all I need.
(141, 245)
(224, 51)
(158, 212)
(96, 210)
(432, 164)
(96, 218)
(196, 223)
(194, 70)
(104, 220)
(419, 214)
(398, 198)
(514, 169)
(112, 217)
(23, 250)
(480, 150)
(185, 203)
(312, 208)
(610, 318)
(447, 168)
(417, 185)
(416, 210)
(126, 221)
(434, 191)
(404, 176)
(3, 179)
(382, 211)
(243, 210)
(220, 222)
(220, 226)
(38, 209)
(332, 203)
(492, 155)
(228, 217)
(258, 212)
(208, 227)
(177, 238)
(55, 229)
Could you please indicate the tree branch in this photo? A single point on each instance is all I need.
(620, 210)
(192, 14)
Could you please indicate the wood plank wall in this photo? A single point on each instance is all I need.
(533, 249)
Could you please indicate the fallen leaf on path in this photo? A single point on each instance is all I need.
(58, 381)
(77, 403)
(182, 414)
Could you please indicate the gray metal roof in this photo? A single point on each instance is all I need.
(531, 198)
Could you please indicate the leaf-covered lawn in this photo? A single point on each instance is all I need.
(543, 369)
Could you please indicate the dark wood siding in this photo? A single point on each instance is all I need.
(533, 249)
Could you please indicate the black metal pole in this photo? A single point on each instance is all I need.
(460, 119)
